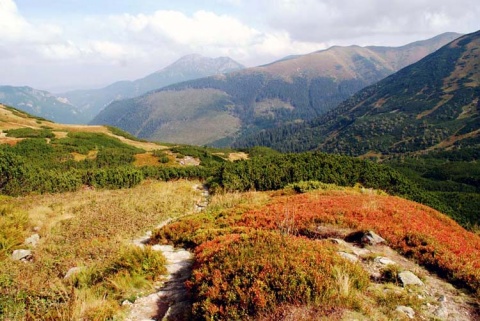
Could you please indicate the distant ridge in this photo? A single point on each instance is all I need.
(39, 103)
(431, 105)
(193, 66)
(221, 109)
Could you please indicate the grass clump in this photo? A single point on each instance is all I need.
(240, 276)
(12, 225)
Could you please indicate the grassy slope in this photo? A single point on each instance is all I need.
(90, 229)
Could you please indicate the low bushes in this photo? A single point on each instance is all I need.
(237, 276)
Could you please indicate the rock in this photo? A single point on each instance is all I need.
(21, 255)
(441, 312)
(72, 272)
(384, 260)
(32, 240)
(127, 303)
(372, 238)
(360, 252)
(339, 242)
(408, 278)
(348, 256)
(408, 311)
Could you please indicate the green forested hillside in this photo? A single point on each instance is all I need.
(430, 105)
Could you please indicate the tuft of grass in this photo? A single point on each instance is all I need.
(13, 223)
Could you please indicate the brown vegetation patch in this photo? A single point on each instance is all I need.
(237, 156)
(146, 159)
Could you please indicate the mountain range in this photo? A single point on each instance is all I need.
(220, 109)
(39, 103)
(80, 106)
(431, 105)
(90, 102)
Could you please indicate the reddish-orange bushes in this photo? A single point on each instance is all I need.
(416, 230)
(240, 275)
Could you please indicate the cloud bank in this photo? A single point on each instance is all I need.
(90, 50)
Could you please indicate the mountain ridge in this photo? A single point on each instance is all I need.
(432, 104)
(287, 91)
(188, 67)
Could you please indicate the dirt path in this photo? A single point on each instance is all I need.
(170, 302)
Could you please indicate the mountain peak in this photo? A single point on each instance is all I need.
(201, 63)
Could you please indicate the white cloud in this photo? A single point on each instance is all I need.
(107, 47)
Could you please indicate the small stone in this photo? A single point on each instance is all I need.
(19, 255)
(32, 240)
(442, 298)
(360, 252)
(372, 238)
(36, 228)
(72, 272)
(157, 247)
(408, 278)
(408, 311)
(441, 312)
(127, 303)
(339, 242)
(384, 260)
(348, 256)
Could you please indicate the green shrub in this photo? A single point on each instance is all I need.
(30, 133)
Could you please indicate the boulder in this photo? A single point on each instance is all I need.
(21, 255)
(408, 311)
(372, 238)
(72, 272)
(384, 260)
(348, 256)
(408, 278)
(32, 240)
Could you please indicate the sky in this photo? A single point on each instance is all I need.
(59, 45)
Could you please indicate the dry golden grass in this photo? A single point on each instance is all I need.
(146, 159)
(87, 229)
(237, 156)
(80, 157)
(11, 120)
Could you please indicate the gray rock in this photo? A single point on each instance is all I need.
(441, 312)
(72, 272)
(32, 240)
(339, 242)
(23, 255)
(372, 238)
(360, 252)
(384, 260)
(408, 311)
(348, 256)
(408, 278)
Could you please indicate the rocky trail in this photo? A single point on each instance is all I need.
(170, 301)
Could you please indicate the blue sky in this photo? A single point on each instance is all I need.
(65, 44)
